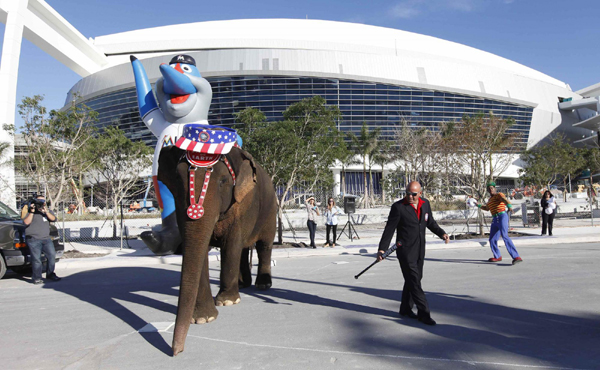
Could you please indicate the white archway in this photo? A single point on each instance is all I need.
(44, 27)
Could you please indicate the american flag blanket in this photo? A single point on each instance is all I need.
(207, 139)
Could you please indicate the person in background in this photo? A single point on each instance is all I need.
(331, 222)
(313, 212)
(36, 217)
(498, 205)
(548, 212)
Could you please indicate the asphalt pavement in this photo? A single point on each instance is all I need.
(117, 312)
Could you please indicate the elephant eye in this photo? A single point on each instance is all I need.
(223, 180)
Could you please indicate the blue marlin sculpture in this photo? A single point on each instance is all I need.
(184, 97)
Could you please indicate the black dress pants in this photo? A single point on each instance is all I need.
(547, 220)
(412, 292)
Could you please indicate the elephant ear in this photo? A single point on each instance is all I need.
(245, 179)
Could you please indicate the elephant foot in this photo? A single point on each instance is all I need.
(205, 315)
(227, 302)
(263, 281)
(164, 239)
(203, 320)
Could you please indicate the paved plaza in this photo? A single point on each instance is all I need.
(543, 313)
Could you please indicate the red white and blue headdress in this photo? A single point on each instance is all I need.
(205, 145)
(207, 139)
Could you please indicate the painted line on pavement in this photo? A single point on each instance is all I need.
(470, 362)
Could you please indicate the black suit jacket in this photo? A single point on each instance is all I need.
(410, 231)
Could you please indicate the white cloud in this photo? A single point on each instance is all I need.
(462, 5)
(407, 9)
(412, 8)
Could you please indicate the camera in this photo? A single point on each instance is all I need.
(36, 204)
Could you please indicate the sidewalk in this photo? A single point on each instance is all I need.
(565, 231)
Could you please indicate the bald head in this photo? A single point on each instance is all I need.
(413, 192)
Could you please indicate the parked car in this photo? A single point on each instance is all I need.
(14, 252)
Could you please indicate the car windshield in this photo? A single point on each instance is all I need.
(7, 213)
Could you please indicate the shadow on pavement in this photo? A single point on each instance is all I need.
(105, 287)
(504, 263)
(490, 329)
(551, 339)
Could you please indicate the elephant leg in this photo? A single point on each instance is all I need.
(205, 310)
(263, 277)
(231, 253)
(245, 278)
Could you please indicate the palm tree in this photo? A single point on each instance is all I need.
(364, 145)
(380, 155)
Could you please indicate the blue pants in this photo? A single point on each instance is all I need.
(36, 246)
(500, 228)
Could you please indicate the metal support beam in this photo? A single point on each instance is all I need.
(13, 13)
(44, 27)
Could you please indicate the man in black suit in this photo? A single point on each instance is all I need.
(409, 217)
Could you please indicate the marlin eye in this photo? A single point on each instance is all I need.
(186, 68)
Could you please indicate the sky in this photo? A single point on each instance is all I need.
(558, 38)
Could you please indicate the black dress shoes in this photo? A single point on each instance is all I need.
(409, 314)
(427, 320)
(53, 277)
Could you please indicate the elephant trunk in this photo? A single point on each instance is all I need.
(196, 245)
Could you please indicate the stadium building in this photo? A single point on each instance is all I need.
(376, 75)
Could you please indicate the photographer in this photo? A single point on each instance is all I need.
(36, 217)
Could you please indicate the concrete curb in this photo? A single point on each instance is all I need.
(143, 257)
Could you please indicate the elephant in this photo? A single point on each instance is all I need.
(239, 212)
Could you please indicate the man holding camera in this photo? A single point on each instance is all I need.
(36, 217)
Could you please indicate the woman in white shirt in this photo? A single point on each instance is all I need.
(313, 212)
(331, 223)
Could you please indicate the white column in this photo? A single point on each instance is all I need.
(9, 70)
(338, 182)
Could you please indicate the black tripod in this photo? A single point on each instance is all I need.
(351, 230)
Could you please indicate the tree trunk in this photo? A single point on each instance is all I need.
(280, 225)
(480, 221)
(366, 186)
(114, 216)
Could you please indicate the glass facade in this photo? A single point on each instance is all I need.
(355, 182)
(379, 105)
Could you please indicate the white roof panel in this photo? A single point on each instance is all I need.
(307, 35)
